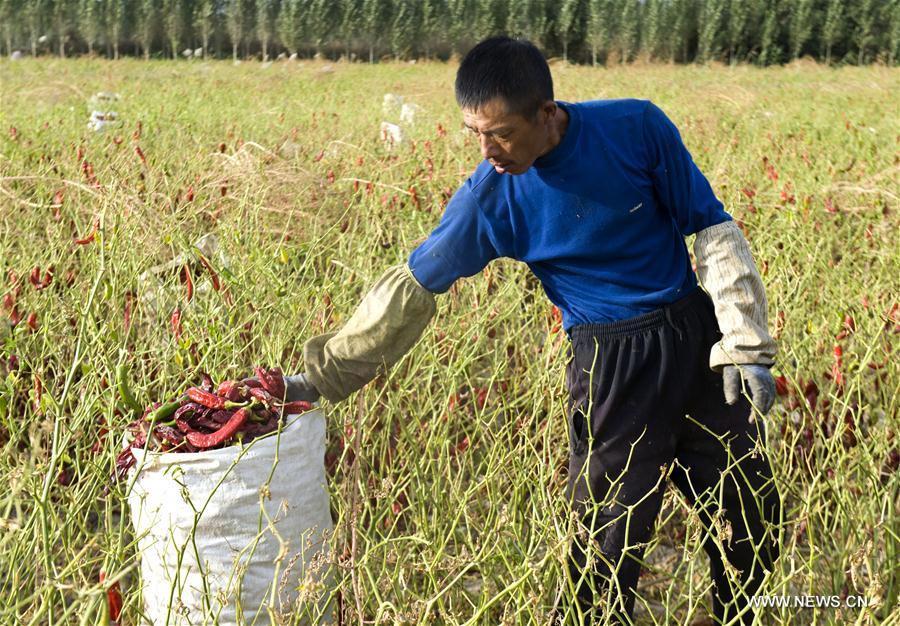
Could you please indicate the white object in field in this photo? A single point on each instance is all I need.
(391, 103)
(42, 39)
(293, 56)
(101, 120)
(281, 56)
(16, 55)
(103, 98)
(220, 531)
(408, 113)
(187, 53)
(391, 134)
(198, 52)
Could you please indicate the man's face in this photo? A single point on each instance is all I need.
(509, 141)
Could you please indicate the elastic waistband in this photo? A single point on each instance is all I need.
(648, 321)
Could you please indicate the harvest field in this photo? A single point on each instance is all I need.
(446, 475)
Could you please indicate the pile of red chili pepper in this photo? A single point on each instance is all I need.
(207, 417)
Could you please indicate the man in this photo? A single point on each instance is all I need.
(597, 197)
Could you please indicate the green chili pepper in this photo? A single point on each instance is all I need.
(166, 410)
(125, 390)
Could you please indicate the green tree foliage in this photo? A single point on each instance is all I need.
(63, 14)
(652, 29)
(629, 29)
(682, 36)
(90, 22)
(266, 12)
(833, 26)
(434, 19)
(711, 16)
(893, 35)
(145, 24)
(8, 10)
(173, 22)
(601, 27)
(565, 23)
(290, 25)
(863, 28)
(596, 31)
(406, 28)
(738, 22)
(204, 21)
(770, 48)
(801, 25)
(115, 24)
(375, 14)
(236, 19)
(528, 19)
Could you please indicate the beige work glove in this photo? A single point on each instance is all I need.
(727, 271)
(386, 324)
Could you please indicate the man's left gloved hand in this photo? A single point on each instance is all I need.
(759, 380)
(299, 387)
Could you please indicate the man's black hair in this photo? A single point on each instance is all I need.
(513, 69)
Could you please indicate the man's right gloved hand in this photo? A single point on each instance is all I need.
(299, 387)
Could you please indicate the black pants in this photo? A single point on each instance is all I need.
(645, 407)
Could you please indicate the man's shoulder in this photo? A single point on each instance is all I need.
(483, 181)
(612, 109)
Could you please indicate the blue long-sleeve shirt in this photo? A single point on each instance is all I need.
(600, 220)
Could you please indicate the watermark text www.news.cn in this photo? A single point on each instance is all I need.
(809, 602)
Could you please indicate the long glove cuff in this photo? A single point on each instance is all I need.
(726, 270)
(386, 324)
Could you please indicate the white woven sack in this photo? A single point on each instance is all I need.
(226, 536)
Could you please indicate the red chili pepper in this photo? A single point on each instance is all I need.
(38, 394)
(223, 434)
(233, 390)
(298, 406)
(175, 322)
(252, 383)
(90, 236)
(190, 407)
(169, 434)
(272, 380)
(207, 399)
(220, 417)
(35, 277)
(113, 597)
(183, 426)
(781, 386)
(188, 283)
(836, 366)
(212, 273)
(262, 395)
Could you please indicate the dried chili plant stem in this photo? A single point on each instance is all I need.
(354, 502)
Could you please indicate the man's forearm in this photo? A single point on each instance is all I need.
(726, 269)
(386, 324)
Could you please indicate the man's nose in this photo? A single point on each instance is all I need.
(489, 148)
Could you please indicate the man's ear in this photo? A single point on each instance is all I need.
(548, 110)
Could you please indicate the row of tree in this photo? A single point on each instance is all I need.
(597, 31)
